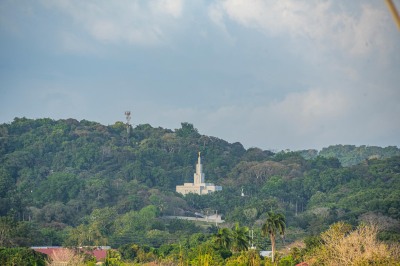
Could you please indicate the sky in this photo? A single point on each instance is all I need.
(272, 74)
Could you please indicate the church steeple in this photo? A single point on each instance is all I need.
(199, 159)
(199, 175)
(199, 186)
(199, 167)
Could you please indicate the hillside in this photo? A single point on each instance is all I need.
(349, 155)
(70, 182)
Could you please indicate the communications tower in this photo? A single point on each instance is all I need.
(128, 123)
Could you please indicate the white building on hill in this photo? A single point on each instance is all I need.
(199, 186)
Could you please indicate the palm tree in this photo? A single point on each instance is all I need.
(223, 238)
(274, 224)
(240, 237)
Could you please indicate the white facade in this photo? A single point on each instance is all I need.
(199, 186)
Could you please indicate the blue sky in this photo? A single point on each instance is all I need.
(294, 74)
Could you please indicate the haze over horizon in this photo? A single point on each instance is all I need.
(276, 75)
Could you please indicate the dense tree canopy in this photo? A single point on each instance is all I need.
(69, 182)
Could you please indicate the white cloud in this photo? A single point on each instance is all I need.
(306, 111)
(132, 22)
(283, 74)
(171, 7)
(326, 23)
(72, 43)
(365, 34)
(314, 118)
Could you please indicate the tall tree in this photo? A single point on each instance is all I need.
(275, 223)
(223, 238)
(6, 228)
(240, 238)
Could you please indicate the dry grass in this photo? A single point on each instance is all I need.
(358, 247)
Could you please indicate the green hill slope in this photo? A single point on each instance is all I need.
(70, 182)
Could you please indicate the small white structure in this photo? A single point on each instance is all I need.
(199, 186)
(266, 253)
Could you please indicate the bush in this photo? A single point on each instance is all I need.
(343, 246)
(21, 256)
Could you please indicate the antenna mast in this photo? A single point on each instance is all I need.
(128, 124)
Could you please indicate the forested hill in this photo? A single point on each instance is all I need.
(153, 156)
(351, 155)
(61, 178)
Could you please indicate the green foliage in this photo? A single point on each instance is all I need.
(21, 256)
(351, 155)
(287, 261)
(187, 130)
(244, 258)
(240, 238)
(70, 182)
(390, 236)
(312, 242)
(256, 154)
(223, 239)
(60, 187)
(274, 224)
(128, 251)
(113, 258)
(235, 239)
(204, 254)
(6, 230)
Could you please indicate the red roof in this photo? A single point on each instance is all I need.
(47, 250)
(99, 254)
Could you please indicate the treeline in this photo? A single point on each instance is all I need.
(70, 182)
(349, 155)
(340, 244)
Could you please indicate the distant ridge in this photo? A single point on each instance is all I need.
(349, 155)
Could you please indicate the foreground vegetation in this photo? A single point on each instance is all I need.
(341, 244)
(80, 183)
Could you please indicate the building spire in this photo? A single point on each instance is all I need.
(199, 176)
(199, 167)
(199, 186)
(199, 159)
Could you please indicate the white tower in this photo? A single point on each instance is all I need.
(128, 121)
(199, 175)
(199, 186)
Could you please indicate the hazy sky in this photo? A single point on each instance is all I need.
(288, 74)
